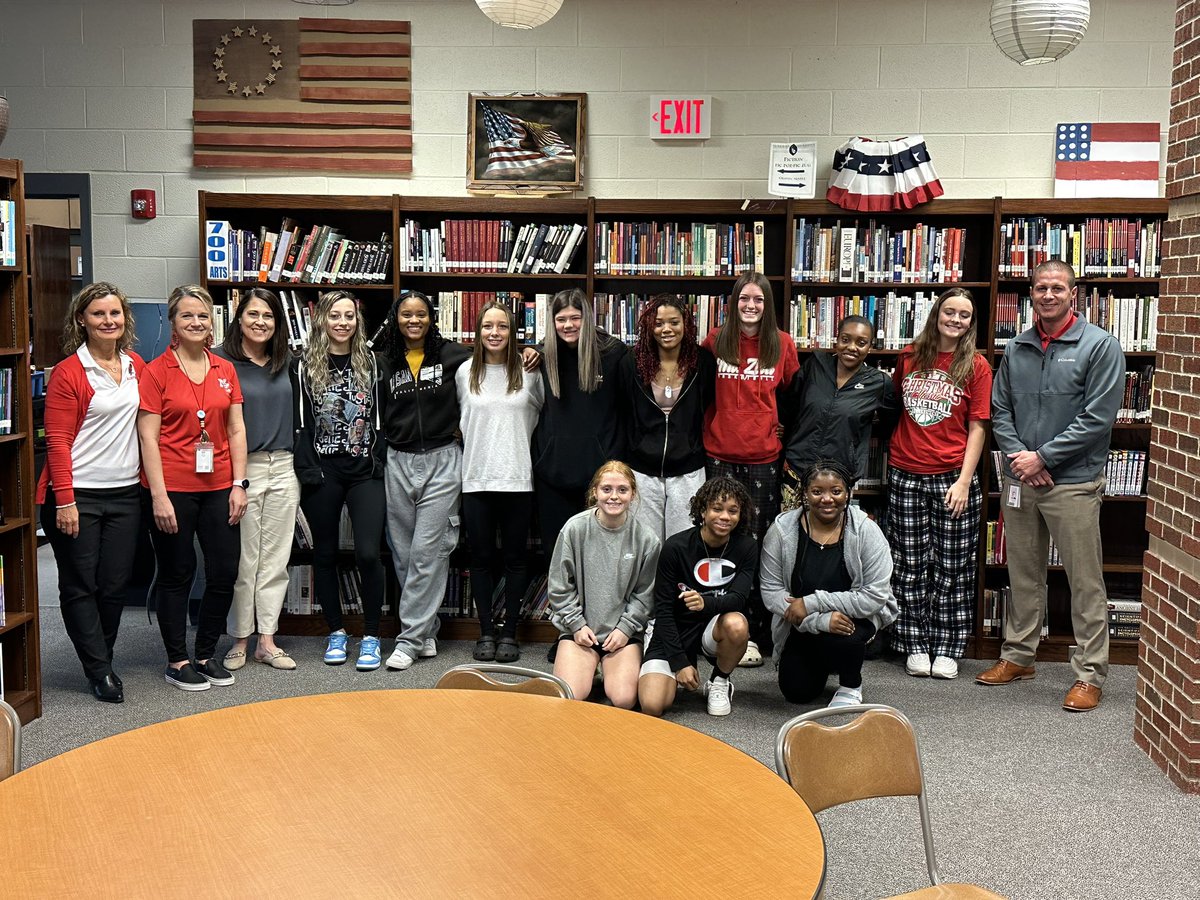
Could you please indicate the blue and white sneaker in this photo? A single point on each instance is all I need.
(368, 654)
(335, 649)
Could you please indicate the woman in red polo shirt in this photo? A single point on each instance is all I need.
(194, 468)
(89, 487)
(741, 427)
(945, 390)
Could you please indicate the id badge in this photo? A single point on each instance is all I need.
(204, 457)
(1014, 495)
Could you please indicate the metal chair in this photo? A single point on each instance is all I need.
(10, 741)
(474, 677)
(875, 755)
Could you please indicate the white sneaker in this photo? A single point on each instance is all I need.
(428, 649)
(751, 659)
(720, 696)
(399, 660)
(944, 667)
(917, 665)
(844, 696)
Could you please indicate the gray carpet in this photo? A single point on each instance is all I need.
(1026, 799)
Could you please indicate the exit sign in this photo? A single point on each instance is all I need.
(680, 118)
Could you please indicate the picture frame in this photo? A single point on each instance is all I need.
(525, 141)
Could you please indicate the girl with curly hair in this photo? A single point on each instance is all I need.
(666, 386)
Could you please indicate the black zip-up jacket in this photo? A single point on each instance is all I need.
(577, 432)
(666, 444)
(835, 423)
(305, 459)
(421, 414)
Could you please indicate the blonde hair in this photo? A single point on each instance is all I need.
(613, 467)
(316, 353)
(74, 334)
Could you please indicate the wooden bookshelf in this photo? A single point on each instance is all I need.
(19, 636)
(981, 222)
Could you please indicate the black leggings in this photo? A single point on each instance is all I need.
(202, 515)
(483, 513)
(808, 659)
(323, 508)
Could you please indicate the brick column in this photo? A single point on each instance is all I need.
(1167, 723)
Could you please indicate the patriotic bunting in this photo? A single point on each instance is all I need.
(876, 176)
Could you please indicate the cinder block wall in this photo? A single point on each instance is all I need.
(104, 86)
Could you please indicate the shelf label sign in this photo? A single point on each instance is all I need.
(680, 118)
(792, 172)
(216, 250)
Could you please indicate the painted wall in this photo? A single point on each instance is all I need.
(104, 86)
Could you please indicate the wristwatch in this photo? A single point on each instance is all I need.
(243, 484)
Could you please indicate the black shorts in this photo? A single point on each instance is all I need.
(603, 653)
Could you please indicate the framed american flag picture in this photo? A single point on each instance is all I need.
(525, 139)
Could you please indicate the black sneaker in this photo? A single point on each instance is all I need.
(186, 678)
(214, 673)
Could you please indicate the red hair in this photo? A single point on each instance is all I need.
(645, 350)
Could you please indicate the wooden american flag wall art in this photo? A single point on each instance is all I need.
(330, 95)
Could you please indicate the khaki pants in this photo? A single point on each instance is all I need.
(1070, 513)
(267, 531)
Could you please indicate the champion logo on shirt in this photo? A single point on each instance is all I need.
(714, 572)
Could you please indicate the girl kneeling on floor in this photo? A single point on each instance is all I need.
(826, 578)
(700, 595)
(601, 587)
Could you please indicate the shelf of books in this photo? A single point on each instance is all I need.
(20, 664)
(1115, 247)
(695, 249)
(887, 267)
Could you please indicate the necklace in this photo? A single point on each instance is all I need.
(834, 536)
(112, 367)
(667, 384)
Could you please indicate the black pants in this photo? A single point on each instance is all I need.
(554, 507)
(483, 513)
(94, 568)
(322, 505)
(808, 660)
(203, 515)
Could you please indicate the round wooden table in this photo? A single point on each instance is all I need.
(407, 794)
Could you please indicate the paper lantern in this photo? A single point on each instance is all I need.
(1032, 32)
(520, 13)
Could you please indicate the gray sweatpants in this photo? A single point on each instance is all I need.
(422, 524)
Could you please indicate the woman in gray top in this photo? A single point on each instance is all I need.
(256, 344)
(601, 588)
(826, 573)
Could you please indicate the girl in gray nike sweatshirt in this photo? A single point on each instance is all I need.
(601, 588)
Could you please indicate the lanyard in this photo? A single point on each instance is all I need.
(200, 413)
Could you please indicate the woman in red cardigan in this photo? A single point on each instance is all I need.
(89, 487)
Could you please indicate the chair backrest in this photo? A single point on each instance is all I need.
(875, 755)
(474, 677)
(10, 741)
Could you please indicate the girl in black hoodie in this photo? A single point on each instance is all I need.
(579, 428)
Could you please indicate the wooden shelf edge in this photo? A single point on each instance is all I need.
(303, 285)
(1057, 648)
(25, 703)
(15, 620)
(872, 285)
(13, 524)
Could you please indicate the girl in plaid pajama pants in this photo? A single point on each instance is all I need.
(934, 497)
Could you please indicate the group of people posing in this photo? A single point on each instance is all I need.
(656, 473)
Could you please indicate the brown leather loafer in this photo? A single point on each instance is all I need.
(1082, 697)
(1005, 672)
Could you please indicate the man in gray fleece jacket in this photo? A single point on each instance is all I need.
(1054, 400)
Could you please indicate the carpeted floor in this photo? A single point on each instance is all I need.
(1026, 799)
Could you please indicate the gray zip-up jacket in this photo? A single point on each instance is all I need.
(868, 560)
(1061, 402)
